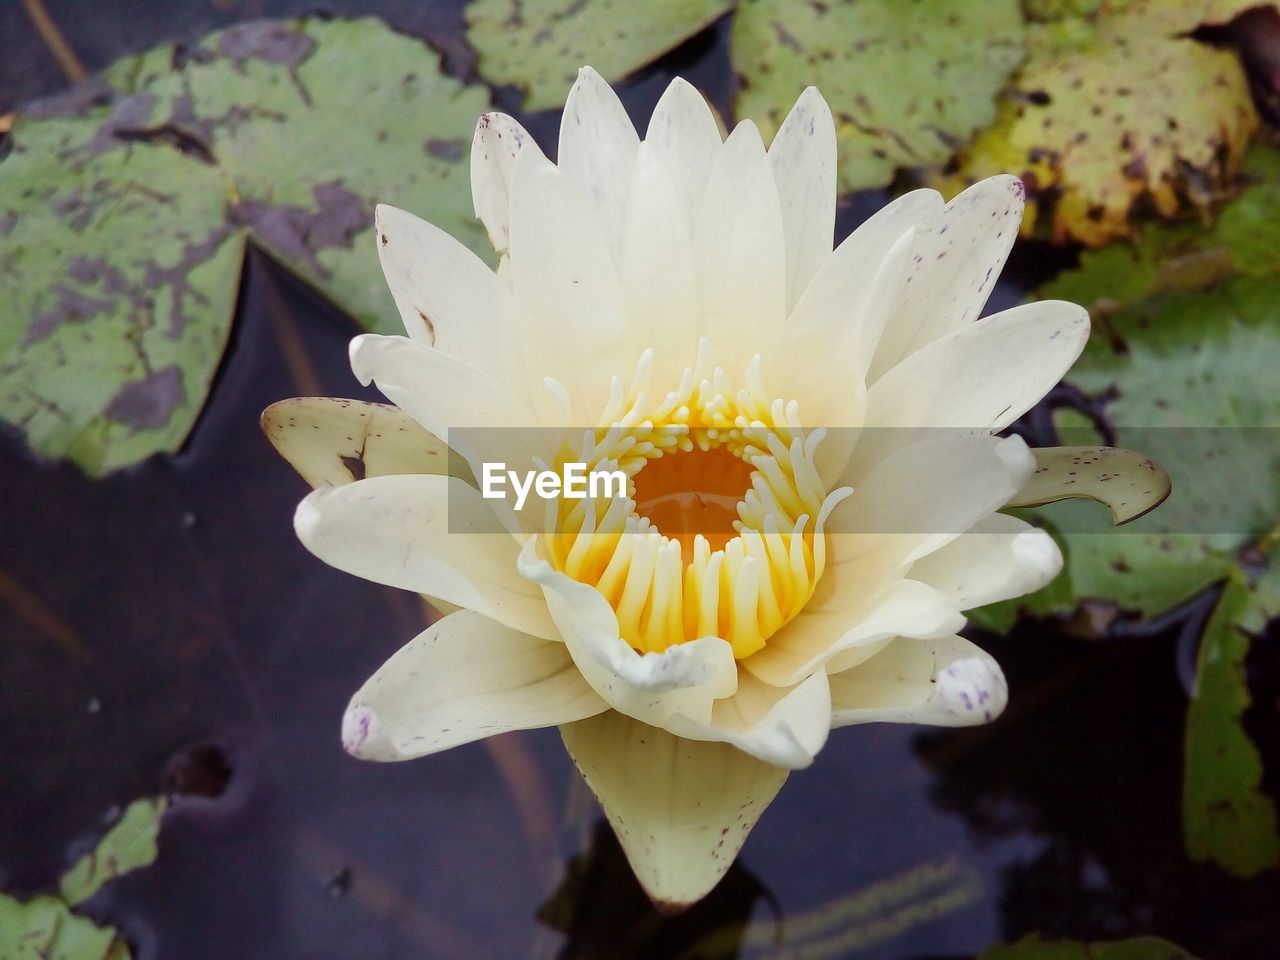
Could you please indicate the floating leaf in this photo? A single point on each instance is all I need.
(125, 207)
(1138, 948)
(46, 929)
(1184, 367)
(907, 82)
(1115, 108)
(1226, 817)
(538, 45)
(128, 845)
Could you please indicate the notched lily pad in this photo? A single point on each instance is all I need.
(45, 929)
(907, 82)
(1118, 110)
(538, 45)
(125, 206)
(128, 845)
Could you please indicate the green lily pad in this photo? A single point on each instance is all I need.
(907, 82)
(125, 207)
(1138, 948)
(1118, 105)
(538, 45)
(1226, 817)
(46, 929)
(128, 845)
(1184, 362)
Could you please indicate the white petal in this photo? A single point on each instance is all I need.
(948, 682)
(686, 140)
(681, 808)
(568, 288)
(597, 150)
(447, 296)
(956, 265)
(785, 726)
(332, 442)
(481, 418)
(1128, 483)
(926, 494)
(984, 376)
(652, 687)
(803, 157)
(497, 143)
(416, 532)
(1000, 558)
(464, 678)
(741, 258)
(657, 269)
(831, 627)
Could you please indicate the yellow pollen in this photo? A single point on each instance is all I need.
(722, 534)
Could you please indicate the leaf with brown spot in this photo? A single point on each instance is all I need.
(1116, 110)
(126, 204)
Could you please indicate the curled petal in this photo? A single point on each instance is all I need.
(686, 679)
(1129, 484)
(784, 726)
(681, 808)
(411, 532)
(946, 681)
(1000, 558)
(464, 678)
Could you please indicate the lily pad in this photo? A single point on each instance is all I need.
(1118, 110)
(907, 82)
(1138, 948)
(1183, 364)
(125, 207)
(1226, 817)
(46, 929)
(128, 845)
(538, 45)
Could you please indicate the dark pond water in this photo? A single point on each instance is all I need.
(163, 630)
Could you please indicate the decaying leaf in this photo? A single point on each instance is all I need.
(1035, 948)
(538, 45)
(128, 845)
(1226, 817)
(907, 82)
(125, 207)
(1118, 109)
(45, 929)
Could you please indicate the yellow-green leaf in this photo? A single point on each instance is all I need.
(538, 45)
(907, 82)
(1116, 108)
(128, 845)
(1226, 817)
(45, 929)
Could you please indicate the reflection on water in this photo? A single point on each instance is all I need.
(164, 630)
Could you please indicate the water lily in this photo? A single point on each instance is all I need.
(673, 307)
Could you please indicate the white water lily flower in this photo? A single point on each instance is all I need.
(679, 296)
